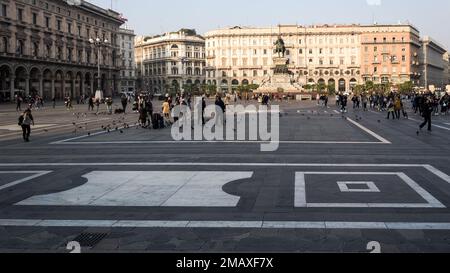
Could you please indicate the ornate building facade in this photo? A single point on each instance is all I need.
(45, 48)
(128, 72)
(340, 56)
(433, 64)
(169, 62)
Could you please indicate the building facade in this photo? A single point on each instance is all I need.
(45, 48)
(390, 54)
(433, 64)
(128, 72)
(339, 56)
(171, 62)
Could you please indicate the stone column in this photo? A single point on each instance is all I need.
(92, 86)
(27, 85)
(41, 87)
(63, 87)
(53, 88)
(82, 86)
(11, 86)
(72, 89)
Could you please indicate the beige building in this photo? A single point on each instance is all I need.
(45, 49)
(340, 56)
(171, 62)
(128, 64)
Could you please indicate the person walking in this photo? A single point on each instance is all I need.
(25, 121)
(54, 102)
(427, 111)
(391, 109)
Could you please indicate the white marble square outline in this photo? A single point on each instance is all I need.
(300, 193)
(33, 175)
(371, 186)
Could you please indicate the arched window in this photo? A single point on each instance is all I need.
(4, 45)
(174, 71)
(35, 49)
(20, 47)
(189, 71)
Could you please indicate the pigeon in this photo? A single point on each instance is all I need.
(379, 121)
(417, 133)
(89, 134)
(121, 131)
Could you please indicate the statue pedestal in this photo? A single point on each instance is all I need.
(281, 81)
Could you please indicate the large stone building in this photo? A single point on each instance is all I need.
(170, 62)
(340, 56)
(45, 48)
(433, 64)
(128, 72)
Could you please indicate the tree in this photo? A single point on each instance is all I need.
(406, 87)
(331, 89)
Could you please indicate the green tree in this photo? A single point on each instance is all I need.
(406, 87)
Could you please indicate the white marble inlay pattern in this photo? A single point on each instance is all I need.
(147, 189)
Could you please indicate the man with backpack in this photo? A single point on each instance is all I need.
(25, 121)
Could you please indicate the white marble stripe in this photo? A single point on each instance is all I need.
(17, 182)
(421, 191)
(208, 164)
(226, 224)
(205, 142)
(370, 132)
(371, 205)
(438, 173)
(300, 190)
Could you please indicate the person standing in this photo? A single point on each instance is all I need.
(25, 121)
(54, 102)
(397, 107)
(91, 104)
(18, 103)
(124, 101)
(166, 111)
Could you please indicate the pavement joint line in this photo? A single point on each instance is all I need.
(298, 225)
(20, 181)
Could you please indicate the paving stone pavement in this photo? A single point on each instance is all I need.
(264, 217)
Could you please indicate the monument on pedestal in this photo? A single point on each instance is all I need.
(282, 79)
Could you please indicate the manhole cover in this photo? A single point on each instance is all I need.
(89, 239)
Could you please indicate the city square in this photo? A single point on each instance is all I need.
(103, 171)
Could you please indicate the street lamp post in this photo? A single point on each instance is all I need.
(99, 44)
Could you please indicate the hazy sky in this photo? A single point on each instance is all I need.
(150, 17)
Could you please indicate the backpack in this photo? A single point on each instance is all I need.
(21, 118)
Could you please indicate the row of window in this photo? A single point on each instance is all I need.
(48, 22)
(55, 9)
(49, 51)
(256, 42)
(301, 61)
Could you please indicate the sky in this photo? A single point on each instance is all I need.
(150, 17)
